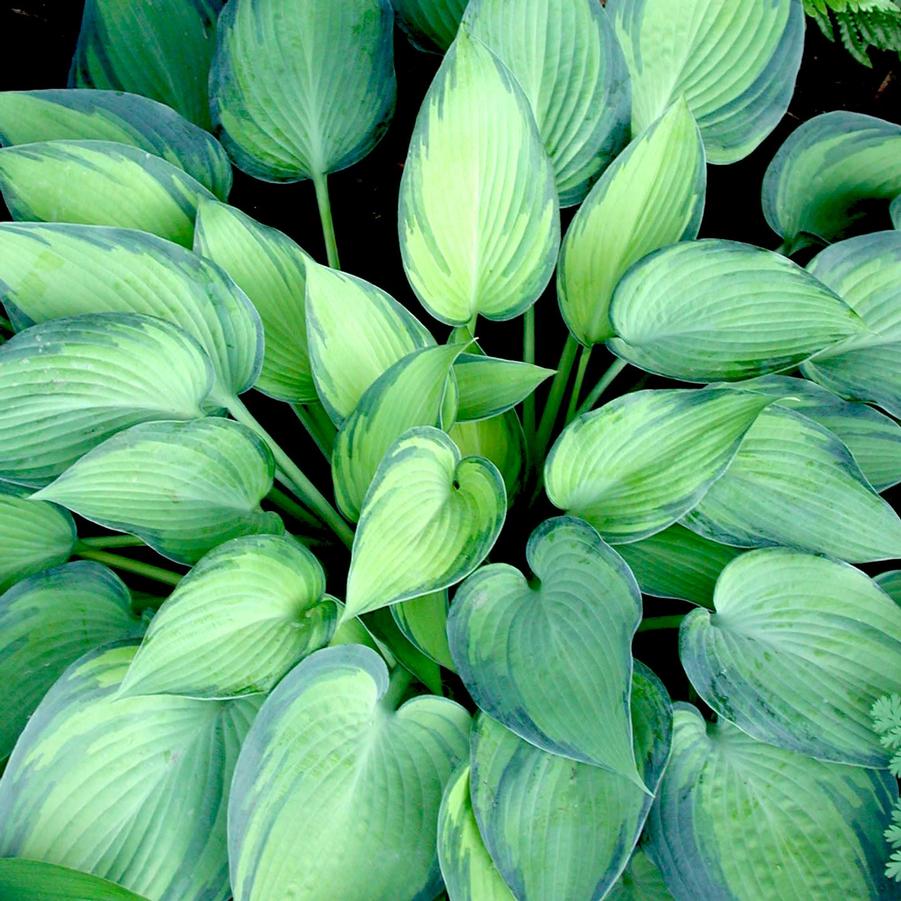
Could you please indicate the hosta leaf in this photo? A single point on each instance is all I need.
(78, 114)
(34, 535)
(796, 652)
(129, 789)
(895, 211)
(640, 881)
(830, 173)
(329, 756)
(489, 386)
(356, 332)
(49, 271)
(182, 487)
(267, 265)
(639, 463)
(809, 823)
(108, 371)
(556, 828)
(478, 216)
(550, 657)
(100, 183)
(411, 393)
(161, 49)
(652, 195)
(469, 872)
(47, 622)
(430, 24)
(865, 272)
(500, 440)
(423, 621)
(395, 647)
(301, 89)
(735, 64)
(429, 519)
(677, 563)
(794, 483)
(890, 583)
(34, 880)
(705, 310)
(581, 108)
(243, 616)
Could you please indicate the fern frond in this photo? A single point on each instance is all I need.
(886, 716)
(861, 24)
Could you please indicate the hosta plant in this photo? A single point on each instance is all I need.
(375, 638)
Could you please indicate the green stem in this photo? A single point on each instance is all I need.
(397, 686)
(292, 476)
(584, 357)
(320, 183)
(290, 506)
(604, 382)
(552, 407)
(108, 541)
(321, 431)
(126, 564)
(528, 354)
(661, 622)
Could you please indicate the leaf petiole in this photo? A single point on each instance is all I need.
(571, 409)
(320, 183)
(558, 387)
(661, 622)
(603, 383)
(126, 564)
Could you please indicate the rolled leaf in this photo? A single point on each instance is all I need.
(181, 487)
(895, 211)
(582, 108)
(715, 309)
(522, 645)
(300, 89)
(500, 440)
(478, 215)
(423, 621)
(890, 583)
(642, 461)
(47, 622)
(794, 483)
(34, 880)
(831, 172)
(146, 806)
(108, 371)
(429, 519)
(735, 65)
(662, 171)
(100, 183)
(328, 756)
(395, 647)
(796, 652)
(243, 616)
(431, 24)
(489, 386)
(724, 792)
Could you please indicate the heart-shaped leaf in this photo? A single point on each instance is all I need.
(735, 65)
(890, 583)
(500, 440)
(301, 89)
(161, 49)
(108, 371)
(429, 519)
(705, 310)
(642, 461)
(130, 789)
(478, 216)
(662, 171)
(556, 828)
(794, 483)
(830, 172)
(431, 24)
(423, 621)
(523, 646)
(356, 333)
(678, 563)
(469, 872)
(581, 108)
(411, 393)
(47, 622)
(640, 881)
(865, 272)
(489, 386)
(34, 535)
(243, 616)
(182, 487)
(54, 270)
(724, 793)
(78, 114)
(327, 757)
(100, 183)
(796, 652)
(34, 880)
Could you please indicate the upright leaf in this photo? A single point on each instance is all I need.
(489, 386)
(652, 195)
(100, 183)
(478, 216)
(796, 652)
(328, 757)
(500, 440)
(423, 621)
(129, 789)
(34, 880)
(301, 89)
(182, 487)
(735, 64)
(431, 24)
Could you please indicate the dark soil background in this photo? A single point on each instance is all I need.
(38, 39)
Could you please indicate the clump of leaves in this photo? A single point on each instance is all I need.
(331, 691)
(861, 25)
